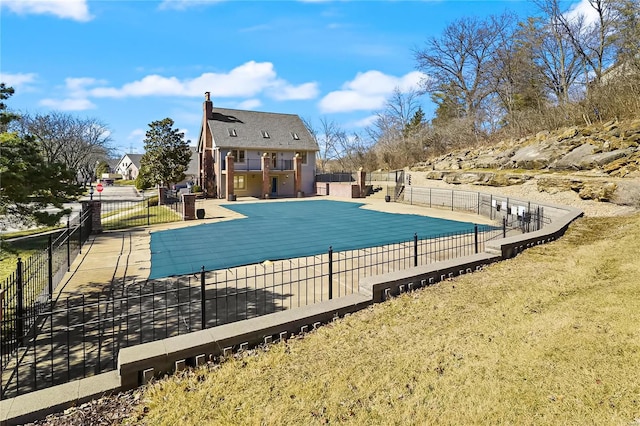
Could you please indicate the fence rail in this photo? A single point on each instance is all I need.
(28, 291)
(129, 213)
(78, 337)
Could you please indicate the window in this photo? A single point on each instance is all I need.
(239, 182)
(295, 136)
(274, 160)
(232, 132)
(303, 154)
(265, 134)
(238, 155)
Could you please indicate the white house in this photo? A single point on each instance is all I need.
(129, 166)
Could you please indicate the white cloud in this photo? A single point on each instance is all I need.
(365, 122)
(368, 91)
(246, 80)
(77, 10)
(78, 85)
(69, 104)
(17, 81)
(249, 104)
(136, 134)
(287, 92)
(76, 93)
(184, 4)
(349, 100)
(582, 10)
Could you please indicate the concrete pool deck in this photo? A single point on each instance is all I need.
(113, 258)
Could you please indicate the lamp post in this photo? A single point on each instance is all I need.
(91, 191)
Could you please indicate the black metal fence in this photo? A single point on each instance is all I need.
(339, 177)
(122, 214)
(79, 337)
(27, 292)
(515, 213)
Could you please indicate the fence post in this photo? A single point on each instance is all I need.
(475, 237)
(478, 203)
(504, 227)
(330, 272)
(415, 249)
(491, 206)
(452, 200)
(68, 246)
(20, 303)
(50, 265)
(149, 215)
(203, 312)
(539, 219)
(80, 234)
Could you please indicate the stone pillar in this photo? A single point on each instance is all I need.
(362, 182)
(230, 169)
(188, 206)
(266, 169)
(297, 175)
(96, 221)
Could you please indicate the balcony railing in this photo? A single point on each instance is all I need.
(255, 165)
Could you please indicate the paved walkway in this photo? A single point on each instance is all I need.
(114, 258)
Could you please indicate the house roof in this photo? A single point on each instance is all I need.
(194, 167)
(135, 159)
(249, 127)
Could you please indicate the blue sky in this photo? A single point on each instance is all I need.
(129, 63)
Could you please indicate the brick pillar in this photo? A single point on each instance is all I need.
(266, 168)
(162, 196)
(362, 182)
(188, 206)
(230, 168)
(297, 175)
(96, 221)
(208, 174)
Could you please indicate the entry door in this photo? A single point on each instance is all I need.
(274, 186)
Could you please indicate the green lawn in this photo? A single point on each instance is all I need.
(139, 215)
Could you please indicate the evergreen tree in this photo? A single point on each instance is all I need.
(28, 184)
(166, 156)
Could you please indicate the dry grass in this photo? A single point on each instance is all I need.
(550, 337)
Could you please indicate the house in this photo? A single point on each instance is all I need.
(129, 166)
(251, 153)
(191, 175)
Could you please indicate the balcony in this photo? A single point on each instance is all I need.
(255, 165)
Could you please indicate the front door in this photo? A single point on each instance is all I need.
(274, 186)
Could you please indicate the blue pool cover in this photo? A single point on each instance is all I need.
(282, 230)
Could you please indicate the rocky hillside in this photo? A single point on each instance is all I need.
(598, 162)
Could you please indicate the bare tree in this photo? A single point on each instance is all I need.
(553, 50)
(79, 143)
(593, 41)
(458, 63)
(328, 138)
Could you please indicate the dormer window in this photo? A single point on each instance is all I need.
(265, 134)
(295, 136)
(232, 132)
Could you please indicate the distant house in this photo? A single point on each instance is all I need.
(191, 175)
(251, 153)
(129, 166)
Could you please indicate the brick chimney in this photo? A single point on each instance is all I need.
(208, 106)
